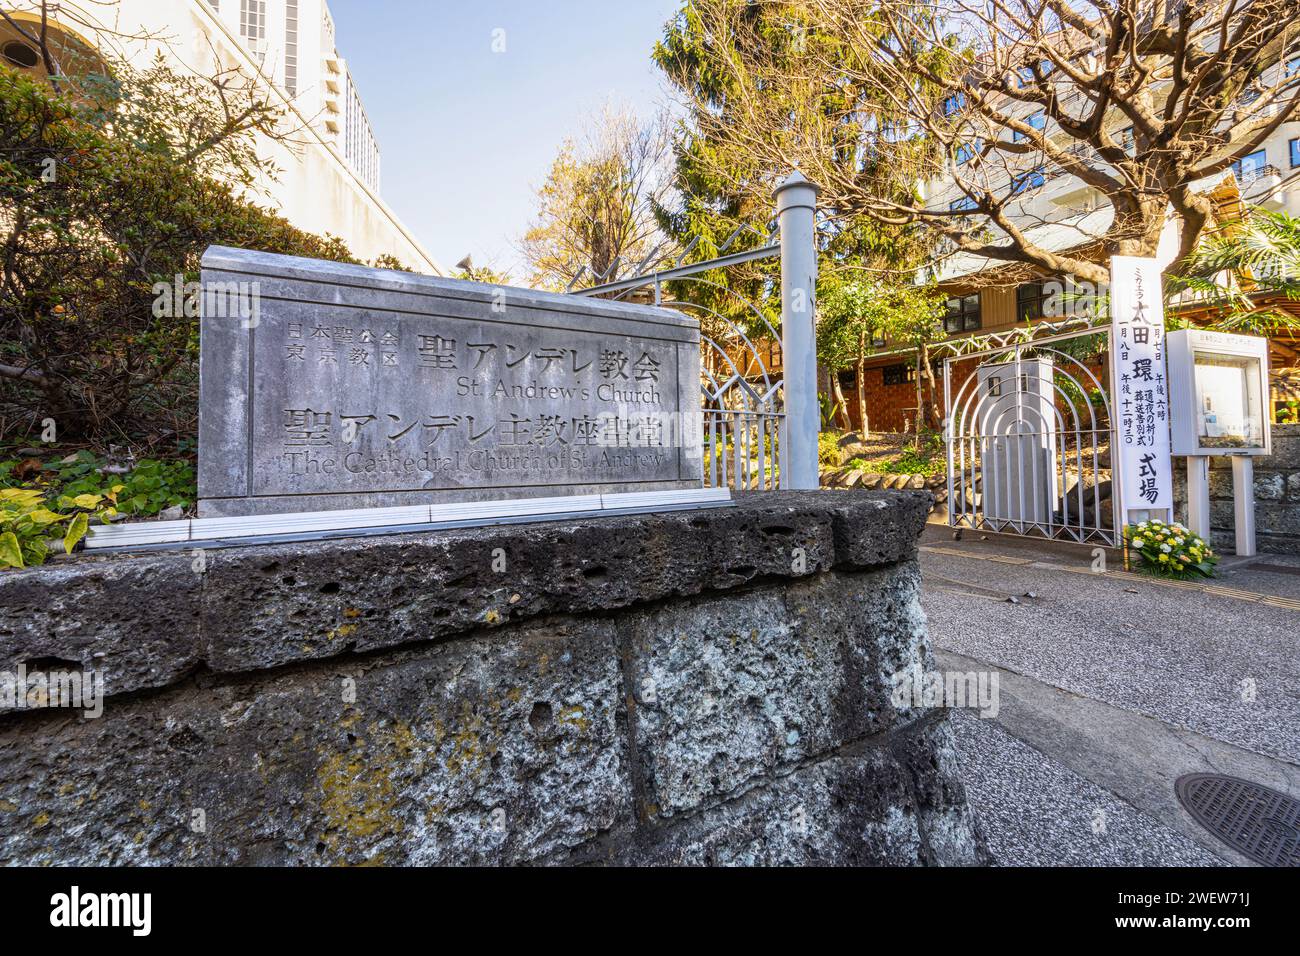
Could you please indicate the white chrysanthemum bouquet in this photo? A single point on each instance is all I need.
(1170, 549)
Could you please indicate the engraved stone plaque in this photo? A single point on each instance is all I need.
(326, 386)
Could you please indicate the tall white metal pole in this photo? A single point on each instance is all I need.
(796, 204)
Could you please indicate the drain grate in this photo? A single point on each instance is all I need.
(1259, 822)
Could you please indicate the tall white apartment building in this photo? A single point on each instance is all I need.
(330, 174)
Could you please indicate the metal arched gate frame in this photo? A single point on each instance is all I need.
(1029, 430)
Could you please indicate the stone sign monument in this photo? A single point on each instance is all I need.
(327, 386)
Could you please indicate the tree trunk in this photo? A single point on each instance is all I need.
(862, 398)
(920, 402)
(933, 405)
(841, 403)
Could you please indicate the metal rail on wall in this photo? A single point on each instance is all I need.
(743, 408)
(760, 432)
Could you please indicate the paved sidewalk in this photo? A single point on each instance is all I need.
(1035, 811)
(1112, 686)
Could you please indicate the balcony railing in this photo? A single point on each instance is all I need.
(1256, 174)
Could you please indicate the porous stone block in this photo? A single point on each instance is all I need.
(1269, 486)
(478, 751)
(740, 686)
(134, 621)
(851, 810)
(691, 687)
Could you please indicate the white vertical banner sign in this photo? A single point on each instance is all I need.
(1140, 387)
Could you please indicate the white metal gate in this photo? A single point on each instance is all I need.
(1029, 434)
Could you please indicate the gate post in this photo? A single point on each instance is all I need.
(796, 205)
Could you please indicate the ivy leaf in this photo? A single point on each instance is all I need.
(76, 531)
(11, 555)
(44, 516)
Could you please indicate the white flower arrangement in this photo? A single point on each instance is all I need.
(1170, 549)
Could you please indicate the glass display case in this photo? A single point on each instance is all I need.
(1230, 408)
(1218, 390)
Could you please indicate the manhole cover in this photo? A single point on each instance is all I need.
(1261, 823)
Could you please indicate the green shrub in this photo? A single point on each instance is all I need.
(912, 462)
(30, 524)
(148, 488)
(925, 457)
(143, 187)
(1170, 549)
(828, 449)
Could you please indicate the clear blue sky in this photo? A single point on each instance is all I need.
(466, 134)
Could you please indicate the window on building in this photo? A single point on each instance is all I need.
(1248, 168)
(963, 314)
(965, 153)
(1295, 152)
(1037, 121)
(954, 103)
(963, 204)
(900, 374)
(20, 54)
(291, 47)
(252, 19)
(773, 355)
(1029, 301)
(252, 27)
(1293, 66)
(1127, 141)
(359, 146)
(1026, 182)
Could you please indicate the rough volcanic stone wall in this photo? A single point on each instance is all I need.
(1277, 496)
(693, 687)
